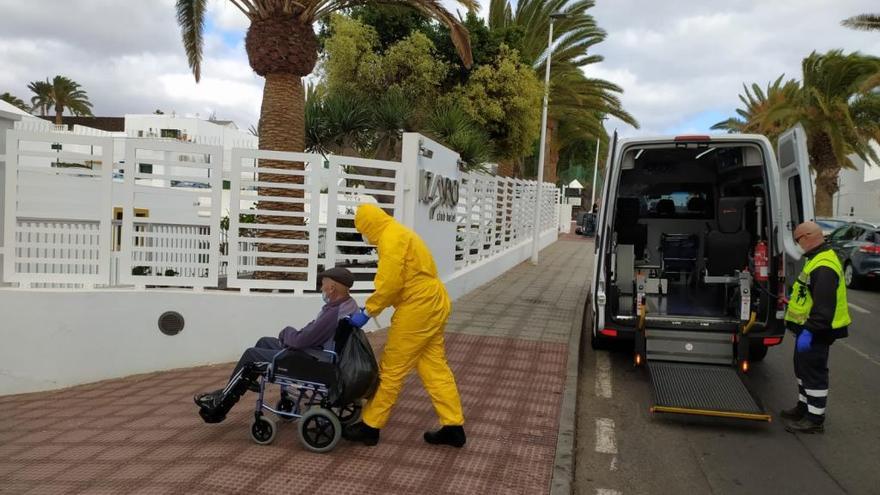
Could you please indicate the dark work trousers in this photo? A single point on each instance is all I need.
(811, 370)
(258, 357)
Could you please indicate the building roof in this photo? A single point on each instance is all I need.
(109, 124)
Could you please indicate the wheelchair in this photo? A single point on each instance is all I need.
(307, 384)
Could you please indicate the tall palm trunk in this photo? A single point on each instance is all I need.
(507, 168)
(552, 150)
(281, 129)
(283, 50)
(827, 169)
(59, 109)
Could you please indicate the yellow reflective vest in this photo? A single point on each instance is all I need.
(801, 301)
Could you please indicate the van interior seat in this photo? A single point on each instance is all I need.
(727, 248)
(696, 205)
(665, 208)
(628, 228)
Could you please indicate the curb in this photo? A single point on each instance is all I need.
(562, 478)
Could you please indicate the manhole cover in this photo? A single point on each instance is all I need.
(171, 323)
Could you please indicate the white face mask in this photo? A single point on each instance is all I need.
(799, 249)
(325, 297)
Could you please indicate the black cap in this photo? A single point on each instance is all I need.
(338, 274)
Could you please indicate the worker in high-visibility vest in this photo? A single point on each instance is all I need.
(818, 314)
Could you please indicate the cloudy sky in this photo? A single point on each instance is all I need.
(681, 63)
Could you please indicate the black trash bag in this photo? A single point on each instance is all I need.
(357, 370)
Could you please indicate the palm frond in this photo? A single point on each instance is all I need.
(863, 22)
(191, 18)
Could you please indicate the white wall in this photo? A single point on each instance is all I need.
(438, 235)
(7, 121)
(64, 338)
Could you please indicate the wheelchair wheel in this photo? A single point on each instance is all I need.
(348, 414)
(319, 430)
(263, 430)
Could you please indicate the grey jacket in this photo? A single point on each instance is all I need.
(318, 334)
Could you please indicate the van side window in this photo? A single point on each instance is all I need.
(797, 203)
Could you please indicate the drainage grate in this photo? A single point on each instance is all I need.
(171, 323)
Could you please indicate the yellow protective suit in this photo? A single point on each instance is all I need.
(407, 279)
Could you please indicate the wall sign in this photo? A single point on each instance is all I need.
(440, 194)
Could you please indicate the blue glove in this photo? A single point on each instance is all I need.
(804, 340)
(360, 318)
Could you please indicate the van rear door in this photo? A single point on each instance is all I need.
(795, 192)
(603, 239)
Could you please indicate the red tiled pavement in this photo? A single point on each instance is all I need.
(141, 434)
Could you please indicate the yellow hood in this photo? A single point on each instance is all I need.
(371, 221)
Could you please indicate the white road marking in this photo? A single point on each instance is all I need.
(859, 309)
(605, 441)
(603, 375)
(606, 491)
(860, 353)
(613, 463)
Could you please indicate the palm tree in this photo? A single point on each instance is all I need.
(574, 98)
(61, 93)
(42, 98)
(15, 101)
(839, 106)
(282, 47)
(753, 118)
(864, 22)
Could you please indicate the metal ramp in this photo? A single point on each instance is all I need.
(705, 390)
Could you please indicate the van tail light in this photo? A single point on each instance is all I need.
(692, 137)
(870, 249)
(771, 341)
(608, 332)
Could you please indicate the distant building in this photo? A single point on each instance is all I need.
(108, 124)
(859, 194)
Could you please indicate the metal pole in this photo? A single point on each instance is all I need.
(536, 235)
(595, 175)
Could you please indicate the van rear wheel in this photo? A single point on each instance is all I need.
(757, 351)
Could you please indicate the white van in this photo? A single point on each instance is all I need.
(681, 222)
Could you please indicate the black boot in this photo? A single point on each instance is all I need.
(795, 413)
(213, 406)
(804, 425)
(208, 399)
(361, 432)
(447, 435)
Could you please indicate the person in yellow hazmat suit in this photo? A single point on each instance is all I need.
(407, 279)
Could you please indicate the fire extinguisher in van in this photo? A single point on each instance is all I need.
(762, 262)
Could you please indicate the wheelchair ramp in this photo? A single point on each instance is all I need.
(703, 390)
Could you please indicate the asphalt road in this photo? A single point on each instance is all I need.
(623, 449)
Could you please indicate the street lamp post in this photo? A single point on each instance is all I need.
(536, 235)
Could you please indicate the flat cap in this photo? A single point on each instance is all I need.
(338, 274)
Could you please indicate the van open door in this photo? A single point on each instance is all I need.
(795, 192)
(602, 243)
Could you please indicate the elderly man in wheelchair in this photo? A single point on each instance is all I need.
(313, 340)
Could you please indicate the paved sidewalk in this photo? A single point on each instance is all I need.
(507, 343)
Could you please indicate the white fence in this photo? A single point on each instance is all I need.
(153, 215)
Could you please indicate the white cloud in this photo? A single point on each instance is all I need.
(678, 60)
(681, 58)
